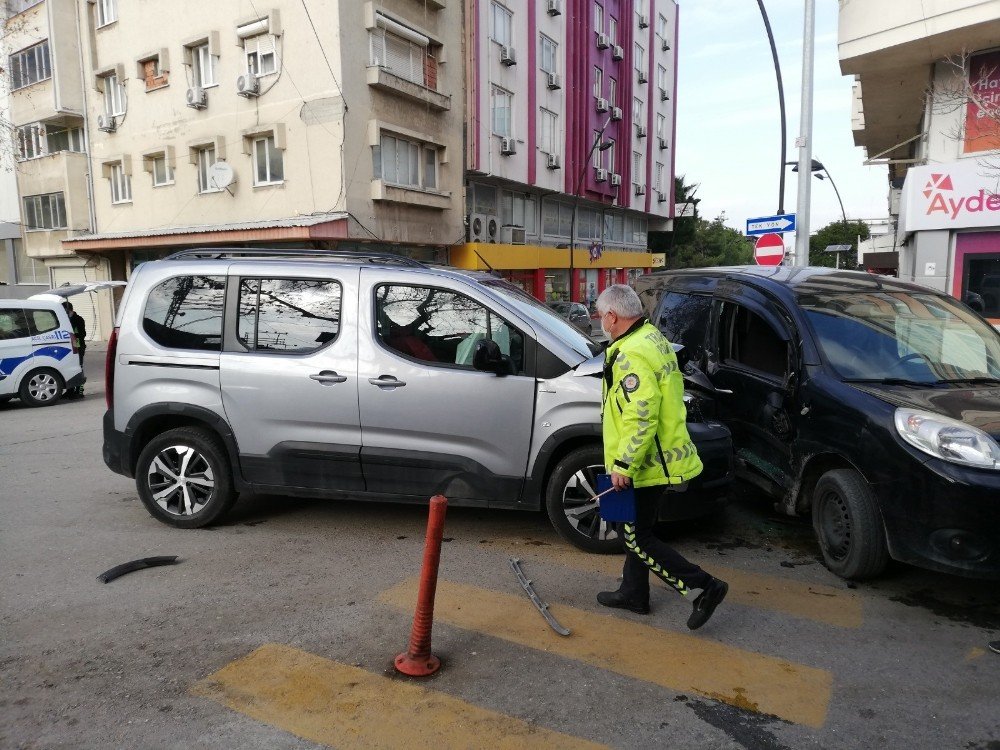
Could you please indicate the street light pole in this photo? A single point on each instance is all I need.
(781, 107)
(576, 197)
(805, 136)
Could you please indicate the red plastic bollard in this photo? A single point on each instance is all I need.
(417, 660)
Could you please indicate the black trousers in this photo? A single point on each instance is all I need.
(646, 552)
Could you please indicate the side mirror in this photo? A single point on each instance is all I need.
(488, 358)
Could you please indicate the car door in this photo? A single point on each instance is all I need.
(289, 376)
(750, 359)
(15, 344)
(431, 423)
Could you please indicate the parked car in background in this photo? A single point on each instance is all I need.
(869, 403)
(38, 352)
(575, 312)
(350, 376)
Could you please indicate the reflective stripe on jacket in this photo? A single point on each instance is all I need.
(643, 412)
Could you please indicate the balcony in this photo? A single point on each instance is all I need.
(382, 79)
(412, 196)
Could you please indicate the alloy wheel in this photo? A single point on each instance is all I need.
(582, 512)
(180, 479)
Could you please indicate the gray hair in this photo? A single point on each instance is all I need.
(621, 300)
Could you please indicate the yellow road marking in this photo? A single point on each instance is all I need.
(974, 653)
(810, 601)
(346, 707)
(675, 661)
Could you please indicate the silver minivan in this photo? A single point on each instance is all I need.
(366, 376)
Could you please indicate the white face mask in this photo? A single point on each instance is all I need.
(603, 329)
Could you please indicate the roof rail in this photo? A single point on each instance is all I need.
(375, 258)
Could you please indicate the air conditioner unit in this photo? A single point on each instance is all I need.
(601, 175)
(507, 56)
(603, 41)
(661, 197)
(663, 95)
(643, 21)
(197, 97)
(248, 85)
(616, 180)
(640, 131)
(616, 113)
(642, 76)
(602, 104)
(107, 123)
(555, 7)
(508, 146)
(555, 82)
(478, 227)
(664, 46)
(663, 143)
(640, 189)
(511, 235)
(492, 228)
(553, 161)
(617, 53)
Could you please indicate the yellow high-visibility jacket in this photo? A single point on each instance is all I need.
(643, 413)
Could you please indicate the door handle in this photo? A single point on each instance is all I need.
(386, 381)
(329, 377)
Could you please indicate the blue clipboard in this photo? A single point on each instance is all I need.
(616, 506)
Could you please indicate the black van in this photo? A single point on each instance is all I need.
(871, 403)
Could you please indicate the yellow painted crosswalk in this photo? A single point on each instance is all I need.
(348, 708)
(677, 661)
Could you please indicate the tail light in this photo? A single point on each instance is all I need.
(109, 370)
(74, 343)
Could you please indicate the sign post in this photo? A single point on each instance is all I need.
(769, 250)
(769, 224)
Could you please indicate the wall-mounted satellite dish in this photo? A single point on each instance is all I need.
(221, 175)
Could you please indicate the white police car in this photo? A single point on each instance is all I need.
(39, 357)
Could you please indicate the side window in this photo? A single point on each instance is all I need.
(288, 315)
(441, 326)
(747, 340)
(683, 319)
(42, 321)
(185, 312)
(13, 324)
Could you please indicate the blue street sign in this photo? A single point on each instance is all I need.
(769, 224)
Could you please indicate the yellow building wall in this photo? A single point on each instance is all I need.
(483, 256)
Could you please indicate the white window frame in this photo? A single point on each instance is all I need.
(598, 82)
(204, 163)
(611, 155)
(598, 154)
(661, 123)
(640, 58)
(419, 157)
(598, 18)
(637, 110)
(612, 29)
(201, 55)
(661, 78)
(31, 141)
(661, 27)
(107, 12)
(114, 96)
(548, 124)
(52, 204)
(121, 184)
(612, 91)
(548, 49)
(252, 51)
(18, 63)
(269, 144)
(501, 24)
(658, 177)
(636, 168)
(168, 171)
(500, 94)
(386, 50)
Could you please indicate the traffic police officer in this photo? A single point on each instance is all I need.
(647, 446)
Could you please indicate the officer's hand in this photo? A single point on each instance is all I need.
(619, 481)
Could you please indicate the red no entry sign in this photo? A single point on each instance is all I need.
(769, 250)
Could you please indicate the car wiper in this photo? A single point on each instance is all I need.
(973, 381)
(895, 381)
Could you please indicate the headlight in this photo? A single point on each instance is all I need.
(948, 439)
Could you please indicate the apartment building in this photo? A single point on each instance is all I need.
(48, 151)
(569, 144)
(273, 123)
(927, 103)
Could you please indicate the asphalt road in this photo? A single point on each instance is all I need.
(278, 628)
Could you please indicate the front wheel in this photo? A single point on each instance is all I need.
(184, 478)
(41, 388)
(848, 525)
(568, 502)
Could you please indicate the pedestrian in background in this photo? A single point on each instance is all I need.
(647, 447)
(80, 330)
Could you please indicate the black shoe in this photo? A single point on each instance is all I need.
(617, 600)
(994, 646)
(710, 598)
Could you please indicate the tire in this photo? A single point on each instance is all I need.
(566, 493)
(43, 387)
(848, 525)
(190, 453)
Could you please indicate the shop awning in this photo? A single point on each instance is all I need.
(333, 226)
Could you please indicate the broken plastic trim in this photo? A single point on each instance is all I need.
(130, 567)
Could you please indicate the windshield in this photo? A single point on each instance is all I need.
(910, 336)
(545, 317)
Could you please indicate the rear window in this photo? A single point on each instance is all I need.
(13, 323)
(42, 321)
(185, 312)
